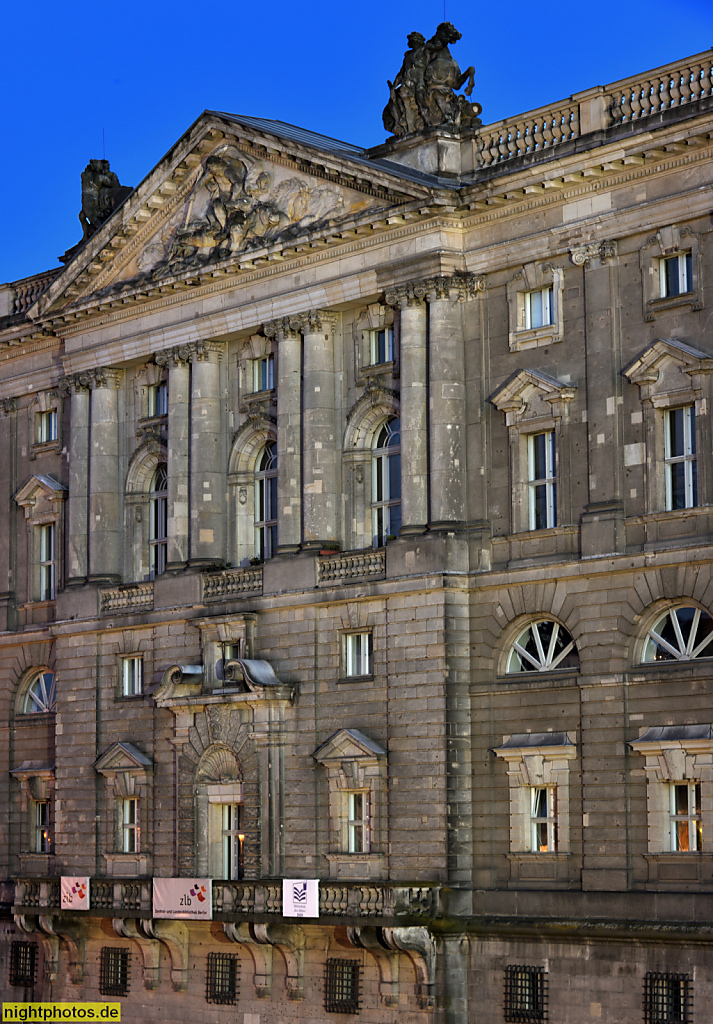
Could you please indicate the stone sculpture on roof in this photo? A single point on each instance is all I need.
(102, 193)
(423, 93)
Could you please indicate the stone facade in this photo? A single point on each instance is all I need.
(359, 507)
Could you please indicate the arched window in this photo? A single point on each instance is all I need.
(386, 486)
(266, 502)
(41, 694)
(542, 647)
(159, 520)
(679, 634)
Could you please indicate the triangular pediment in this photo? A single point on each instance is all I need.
(40, 488)
(228, 191)
(122, 757)
(348, 745)
(532, 393)
(667, 366)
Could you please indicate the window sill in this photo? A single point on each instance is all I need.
(654, 306)
(121, 697)
(45, 448)
(549, 334)
(355, 679)
(358, 866)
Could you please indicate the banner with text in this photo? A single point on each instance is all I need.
(300, 897)
(75, 893)
(183, 898)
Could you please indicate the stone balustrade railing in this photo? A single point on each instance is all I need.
(358, 565)
(243, 898)
(135, 597)
(674, 85)
(26, 292)
(232, 583)
(530, 133)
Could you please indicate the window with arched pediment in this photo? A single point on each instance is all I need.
(158, 499)
(683, 633)
(543, 645)
(252, 489)
(146, 512)
(266, 502)
(386, 485)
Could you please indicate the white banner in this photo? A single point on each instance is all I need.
(75, 893)
(300, 897)
(183, 898)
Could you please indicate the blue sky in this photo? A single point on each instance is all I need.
(141, 72)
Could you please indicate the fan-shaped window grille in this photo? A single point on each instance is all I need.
(542, 647)
(680, 634)
(41, 695)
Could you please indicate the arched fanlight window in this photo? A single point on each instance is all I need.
(158, 541)
(386, 485)
(542, 647)
(266, 502)
(41, 695)
(680, 634)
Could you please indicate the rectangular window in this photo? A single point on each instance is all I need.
(132, 675)
(158, 399)
(525, 994)
(543, 818)
(676, 275)
(667, 998)
(382, 346)
(23, 964)
(47, 426)
(47, 562)
(221, 978)
(232, 841)
(538, 308)
(341, 986)
(542, 480)
(358, 654)
(358, 822)
(130, 826)
(42, 840)
(264, 373)
(680, 458)
(686, 826)
(114, 971)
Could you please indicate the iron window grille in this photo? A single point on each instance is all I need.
(23, 964)
(341, 986)
(221, 978)
(667, 998)
(525, 994)
(114, 971)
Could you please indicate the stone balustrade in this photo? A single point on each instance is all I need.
(530, 133)
(351, 567)
(232, 583)
(136, 597)
(663, 89)
(28, 291)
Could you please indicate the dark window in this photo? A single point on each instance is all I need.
(158, 541)
(221, 978)
(666, 998)
(114, 971)
(525, 994)
(23, 964)
(341, 986)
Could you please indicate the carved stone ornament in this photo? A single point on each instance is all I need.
(8, 405)
(102, 377)
(583, 254)
(102, 193)
(423, 94)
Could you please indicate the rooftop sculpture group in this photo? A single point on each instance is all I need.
(423, 94)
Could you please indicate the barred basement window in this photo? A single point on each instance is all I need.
(525, 994)
(114, 971)
(221, 978)
(667, 998)
(341, 986)
(23, 964)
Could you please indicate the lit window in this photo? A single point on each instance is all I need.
(132, 676)
(158, 539)
(542, 480)
(680, 634)
(686, 827)
(541, 647)
(23, 964)
(42, 840)
(41, 694)
(130, 827)
(47, 426)
(676, 275)
(341, 986)
(358, 822)
(266, 502)
(158, 399)
(48, 563)
(114, 971)
(543, 817)
(221, 978)
(382, 346)
(358, 648)
(666, 998)
(264, 373)
(680, 458)
(525, 994)
(386, 503)
(233, 839)
(538, 308)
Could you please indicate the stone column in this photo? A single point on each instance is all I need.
(76, 386)
(320, 458)
(178, 362)
(207, 479)
(414, 439)
(289, 430)
(104, 488)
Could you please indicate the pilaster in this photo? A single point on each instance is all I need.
(104, 529)
(207, 486)
(289, 432)
(178, 362)
(320, 458)
(77, 387)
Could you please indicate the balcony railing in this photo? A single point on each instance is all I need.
(30, 289)
(232, 583)
(137, 597)
(351, 567)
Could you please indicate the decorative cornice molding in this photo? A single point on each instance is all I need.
(582, 255)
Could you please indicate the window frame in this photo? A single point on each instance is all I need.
(546, 307)
(358, 658)
(23, 975)
(358, 821)
(157, 399)
(386, 508)
(233, 838)
(42, 826)
(340, 996)
(266, 502)
(652, 1013)
(548, 482)
(516, 994)
(130, 825)
(158, 523)
(535, 279)
(114, 971)
(132, 675)
(684, 275)
(688, 459)
(48, 693)
(376, 348)
(263, 373)
(548, 820)
(692, 817)
(215, 974)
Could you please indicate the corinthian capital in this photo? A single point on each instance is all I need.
(584, 254)
(405, 295)
(195, 350)
(284, 327)
(317, 320)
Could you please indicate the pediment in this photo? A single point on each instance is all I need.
(38, 491)
(122, 757)
(667, 367)
(532, 394)
(348, 745)
(225, 192)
